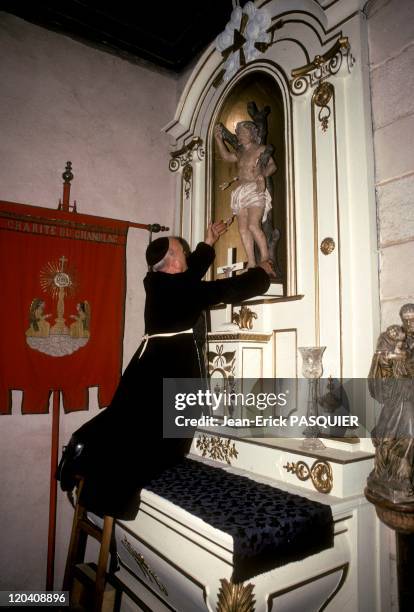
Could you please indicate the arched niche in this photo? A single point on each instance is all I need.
(262, 88)
(330, 298)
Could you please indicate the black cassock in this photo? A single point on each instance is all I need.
(124, 445)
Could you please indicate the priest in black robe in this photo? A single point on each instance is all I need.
(123, 447)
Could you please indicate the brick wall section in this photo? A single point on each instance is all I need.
(391, 46)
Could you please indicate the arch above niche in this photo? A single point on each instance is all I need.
(303, 34)
(196, 208)
(262, 88)
(300, 38)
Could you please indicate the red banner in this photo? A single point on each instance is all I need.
(62, 306)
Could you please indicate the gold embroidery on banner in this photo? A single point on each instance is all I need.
(60, 338)
(232, 597)
(61, 228)
(39, 327)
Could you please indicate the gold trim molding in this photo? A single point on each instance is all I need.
(217, 448)
(232, 597)
(322, 67)
(239, 337)
(320, 473)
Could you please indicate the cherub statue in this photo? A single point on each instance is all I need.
(251, 200)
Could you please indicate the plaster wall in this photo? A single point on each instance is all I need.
(391, 46)
(391, 52)
(62, 100)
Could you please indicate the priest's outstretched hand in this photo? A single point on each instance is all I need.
(214, 231)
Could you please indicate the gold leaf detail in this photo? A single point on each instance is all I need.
(235, 597)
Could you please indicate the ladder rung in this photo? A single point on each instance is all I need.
(90, 529)
(81, 528)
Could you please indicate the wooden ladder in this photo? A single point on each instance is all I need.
(82, 527)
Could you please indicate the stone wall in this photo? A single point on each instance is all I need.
(391, 49)
(391, 46)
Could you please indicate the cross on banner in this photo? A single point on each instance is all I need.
(229, 270)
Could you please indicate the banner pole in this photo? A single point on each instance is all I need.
(53, 493)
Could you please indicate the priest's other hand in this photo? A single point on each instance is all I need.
(214, 231)
(267, 267)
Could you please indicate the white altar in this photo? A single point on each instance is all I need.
(316, 59)
(173, 560)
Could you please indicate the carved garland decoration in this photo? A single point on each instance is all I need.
(320, 473)
(235, 597)
(217, 448)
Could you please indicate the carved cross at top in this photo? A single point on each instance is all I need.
(229, 270)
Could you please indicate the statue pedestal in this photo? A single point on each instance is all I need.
(400, 518)
(275, 290)
(237, 353)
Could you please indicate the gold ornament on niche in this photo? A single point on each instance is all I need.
(327, 246)
(187, 176)
(320, 473)
(322, 67)
(185, 155)
(321, 97)
(232, 597)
